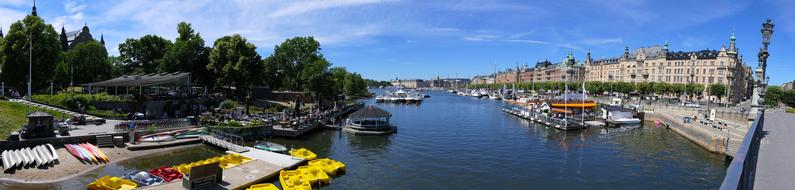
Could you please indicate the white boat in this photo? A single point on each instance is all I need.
(494, 97)
(16, 158)
(44, 154)
(36, 159)
(627, 120)
(379, 99)
(52, 151)
(26, 156)
(158, 138)
(7, 161)
(43, 159)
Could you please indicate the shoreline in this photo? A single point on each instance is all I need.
(71, 165)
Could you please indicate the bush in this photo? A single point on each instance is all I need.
(75, 102)
(228, 104)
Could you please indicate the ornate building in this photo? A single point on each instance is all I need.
(70, 39)
(543, 71)
(658, 64)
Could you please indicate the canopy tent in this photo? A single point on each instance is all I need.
(144, 80)
(370, 112)
(161, 84)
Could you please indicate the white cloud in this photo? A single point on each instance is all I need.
(301, 7)
(529, 41)
(8, 16)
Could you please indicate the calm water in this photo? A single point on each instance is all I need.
(454, 142)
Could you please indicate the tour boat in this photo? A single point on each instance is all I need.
(303, 153)
(293, 180)
(588, 104)
(314, 174)
(263, 186)
(273, 147)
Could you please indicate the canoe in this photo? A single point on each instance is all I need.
(143, 178)
(74, 152)
(191, 134)
(53, 152)
(28, 159)
(293, 180)
(158, 138)
(43, 159)
(273, 147)
(87, 155)
(314, 174)
(43, 150)
(168, 174)
(7, 161)
(95, 151)
(303, 153)
(110, 182)
(18, 158)
(263, 186)
(101, 153)
(36, 158)
(92, 152)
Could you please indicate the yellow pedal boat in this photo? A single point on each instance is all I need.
(328, 165)
(293, 180)
(314, 174)
(303, 153)
(263, 186)
(112, 183)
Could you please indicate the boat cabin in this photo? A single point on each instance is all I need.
(369, 120)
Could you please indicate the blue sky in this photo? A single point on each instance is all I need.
(384, 39)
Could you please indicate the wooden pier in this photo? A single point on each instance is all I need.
(547, 121)
(228, 141)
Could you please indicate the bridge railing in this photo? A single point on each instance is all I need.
(741, 171)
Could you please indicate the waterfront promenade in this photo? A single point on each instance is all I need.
(775, 167)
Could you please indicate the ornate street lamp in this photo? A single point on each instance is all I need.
(761, 78)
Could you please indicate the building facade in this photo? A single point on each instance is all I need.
(543, 71)
(410, 83)
(658, 64)
(788, 85)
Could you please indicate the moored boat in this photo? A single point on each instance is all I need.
(293, 180)
(52, 150)
(110, 182)
(314, 174)
(168, 174)
(626, 120)
(270, 146)
(303, 153)
(143, 178)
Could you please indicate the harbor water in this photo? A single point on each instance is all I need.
(457, 142)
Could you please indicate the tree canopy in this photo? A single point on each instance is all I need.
(143, 55)
(718, 90)
(86, 62)
(236, 63)
(188, 54)
(15, 59)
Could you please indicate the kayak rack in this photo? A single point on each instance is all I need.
(225, 140)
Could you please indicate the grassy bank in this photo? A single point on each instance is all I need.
(13, 116)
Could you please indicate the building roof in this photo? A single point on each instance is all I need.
(370, 111)
(685, 55)
(616, 108)
(606, 61)
(652, 52)
(142, 80)
(39, 114)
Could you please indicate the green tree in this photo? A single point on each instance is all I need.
(236, 62)
(773, 96)
(15, 59)
(143, 55)
(289, 60)
(84, 63)
(188, 54)
(718, 90)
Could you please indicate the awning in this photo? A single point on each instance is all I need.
(143, 80)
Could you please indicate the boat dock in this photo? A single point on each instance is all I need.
(568, 124)
(265, 165)
(310, 124)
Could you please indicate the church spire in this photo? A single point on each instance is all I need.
(732, 47)
(64, 39)
(102, 39)
(1, 32)
(34, 9)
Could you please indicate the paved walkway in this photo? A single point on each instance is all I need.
(775, 166)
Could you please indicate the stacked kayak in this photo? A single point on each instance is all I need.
(294, 180)
(112, 183)
(87, 153)
(330, 166)
(303, 153)
(143, 178)
(263, 186)
(36, 156)
(168, 174)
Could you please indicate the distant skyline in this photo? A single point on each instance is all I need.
(385, 39)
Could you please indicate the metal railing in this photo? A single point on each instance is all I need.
(145, 125)
(742, 170)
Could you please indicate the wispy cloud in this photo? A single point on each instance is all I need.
(528, 41)
(301, 7)
(595, 42)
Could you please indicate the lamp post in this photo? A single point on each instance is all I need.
(758, 103)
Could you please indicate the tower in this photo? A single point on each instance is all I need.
(732, 46)
(64, 39)
(626, 52)
(1, 32)
(665, 46)
(34, 9)
(588, 57)
(102, 39)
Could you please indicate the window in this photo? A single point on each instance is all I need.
(669, 64)
(711, 72)
(712, 63)
(721, 63)
(720, 72)
(711, 80)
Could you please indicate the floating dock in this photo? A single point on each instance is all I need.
(546, 121)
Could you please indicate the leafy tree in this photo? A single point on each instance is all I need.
(188, 54)
(718, 90)
(289, 59)
(773, 96)
(15, 59)
(86, 62)
(236, 62)
(143, 55)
